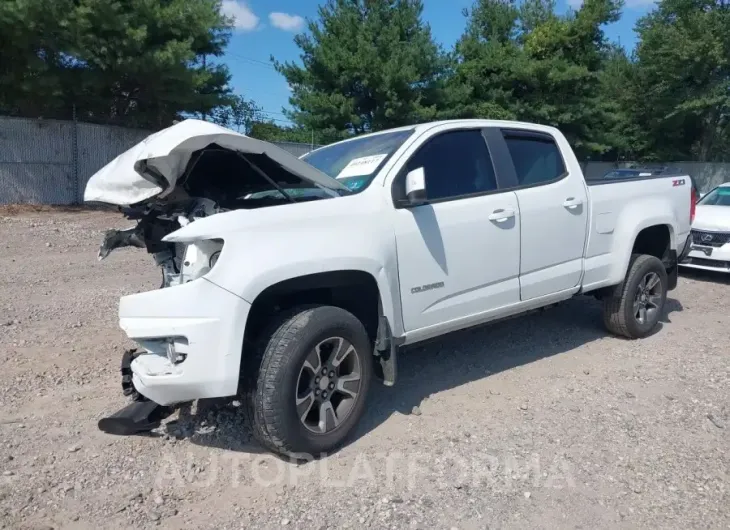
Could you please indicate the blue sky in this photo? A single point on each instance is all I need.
(267, 27)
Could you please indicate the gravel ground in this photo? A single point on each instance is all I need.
(544, 421)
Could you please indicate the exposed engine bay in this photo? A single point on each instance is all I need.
(215, 180)
(179, 262)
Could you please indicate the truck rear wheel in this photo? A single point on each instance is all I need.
(308, 391)
(634, 308)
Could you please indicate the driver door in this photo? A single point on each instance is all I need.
(458, 254)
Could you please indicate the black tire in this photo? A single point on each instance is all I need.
(619, 315)
(274, 373)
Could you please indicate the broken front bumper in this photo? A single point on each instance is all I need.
(190, 337)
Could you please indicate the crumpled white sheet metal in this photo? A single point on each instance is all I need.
(122, 181)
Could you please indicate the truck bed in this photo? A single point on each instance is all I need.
(618, 212)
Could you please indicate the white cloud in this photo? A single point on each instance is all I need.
(286, 21)
(243, 18)
(628, 4)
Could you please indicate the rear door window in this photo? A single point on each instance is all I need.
(536, 158)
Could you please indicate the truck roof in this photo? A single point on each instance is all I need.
(422, 127)
(488, 123)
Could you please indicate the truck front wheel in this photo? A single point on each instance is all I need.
(310, 381)
(635, 306)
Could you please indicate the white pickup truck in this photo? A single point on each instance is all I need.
(294, 282)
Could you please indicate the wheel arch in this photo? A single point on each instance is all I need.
(655, 240)
(354, 290)
(654, 237)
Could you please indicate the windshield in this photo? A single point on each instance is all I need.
(717, 197)
(356, 162)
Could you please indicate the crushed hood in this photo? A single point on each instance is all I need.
(713, 218)
(152, 167)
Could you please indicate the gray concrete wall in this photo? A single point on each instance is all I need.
(36, 162)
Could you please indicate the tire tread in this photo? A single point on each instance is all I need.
(262, 403)
(261, 413)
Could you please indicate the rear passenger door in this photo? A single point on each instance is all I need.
(458, 255)
(553, 211)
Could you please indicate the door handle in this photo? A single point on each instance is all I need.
(572, 202)
(501, 215)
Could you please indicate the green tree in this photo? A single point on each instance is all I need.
(534, 13)
(527, 63)
(367, 65)
(566, 57)
(33, 38)
(272, 132)
(237, 113)
(680, 88)
(482, 82)
(620, 129)
(131, 62)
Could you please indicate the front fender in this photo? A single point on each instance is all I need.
(252, 261)
(264, 277)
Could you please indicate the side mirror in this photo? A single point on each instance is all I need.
(416, 187)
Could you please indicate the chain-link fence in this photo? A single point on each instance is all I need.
(50, 161)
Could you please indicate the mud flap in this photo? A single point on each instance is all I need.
(673, 270)
(385, 352)
(673, 278)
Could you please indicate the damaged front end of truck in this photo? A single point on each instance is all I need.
(180, 175)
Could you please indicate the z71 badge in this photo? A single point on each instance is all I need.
(678, 182)
(427, 287)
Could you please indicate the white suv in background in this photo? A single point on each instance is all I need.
(711, 232)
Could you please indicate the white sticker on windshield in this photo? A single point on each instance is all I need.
(361, 166)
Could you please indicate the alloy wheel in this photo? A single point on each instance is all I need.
(328, 385)
(648, 298)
